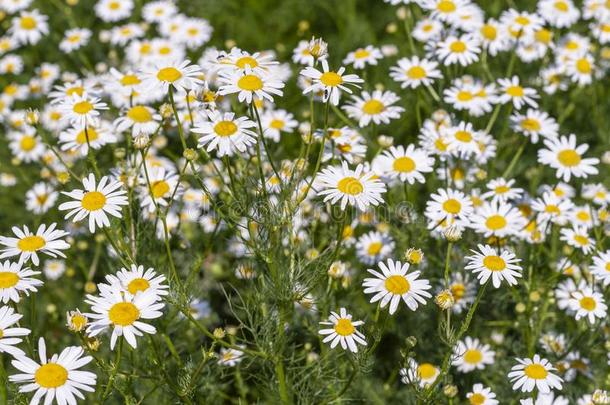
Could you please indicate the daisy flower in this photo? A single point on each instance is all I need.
(463, 140)
(137, 280)
(29, 27)
(54, 269)
(162, 75)
(40, 198)
(376, 106)
(578, 237)
(470, 354)
(448, 206)
(81, 110)
(158, 187)
(27, 245)
(15, 280)
(74, 38)
(500, 220)
(415, 72)
(354, 187)
(225, 133)
(600, 268)
(329, 82)
(422, 374)
(534, 124)
(96, 201)
(481, 395)
(250, 85)
(487, 263)
(230, 357)
(276, 122)
(56, 378)
(10, 337)
(25, 145)
(558, 13)
(463, 50)
(512, 91)
(552, 208)
(117, 309)
(79, 139)
(493, 37)
(405, 164)
(394, 284)
(566, 157)
(589, 304)
(363, 56)
(502, 190)
(373, 247)
(581, 69)
(534, 373)
(342, 330)
(140, 118)
(113, 10)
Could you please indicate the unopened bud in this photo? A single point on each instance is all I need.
(190, 154)
(141, 141)
(219, 333)
(444, 299)
(453, 233)
(32, 117)
(385, 141)
(450, 390)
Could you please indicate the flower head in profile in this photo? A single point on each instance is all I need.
(96, 201)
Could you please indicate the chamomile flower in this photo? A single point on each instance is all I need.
(361, 57)
(404, 164)
(16, 280)
(512, 91)
(113, 10)
(600, 268)
(331, 83)
(463, 50)
(422, 374)
(75, 38)
(448, 206)
(29, 27)
(500, 220)
(535, 123)
(40, 198)
(534, 373)
(581, 69)
(124, 313)
(250, 85)
(481, 395)
(230, 357)
(502, 190)
(463, 140)
(589, 304)
(162, 75)
(552, 208)
(56, 378)
(415, 72)
(579, 238)
(558, 13)
(394, 284)
(342, 331)
(11, 336)
(96, 201)
(470, 354)
(82, 110)
(276, 122)
(54, 269)
(563, 155)
(376, 106)
(80, 139)
(357, 187)
(225, 133)
(136, 280)
(493, 37)
(140, 118)
(27, 245)
(373, 247)
(488, 263)
(25, 145)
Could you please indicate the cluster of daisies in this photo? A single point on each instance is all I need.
(102, 146)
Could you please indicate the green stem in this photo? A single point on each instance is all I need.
(516, 157)
(115, 370)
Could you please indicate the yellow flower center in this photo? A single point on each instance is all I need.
(583, 216)
(373, 107)
(246, 61)
(277, 124)
(130, 80)
(477, 399)
(473, 356)
(464, 95)
(588, 304)
(530, 124)
(502, 189)
(544, 36)
(139, 114)
(374, 248)
(581, 240)
(250, 83)
(8, 279)
(361, 54)
(81, 137)
(440, 145)
(458, 290)
(535, 372)
(457, 46)
(168, 74)
(489, 32)
(452, 206)
(138, 284)
(31, 243)
(160, 188)
(331, 79)
(515, 91)
(350, 185)
(114, 5)
(27, 23)
(416, 72)
(404, 164)
(495, 222)
(397, 285)
(93, 201)
(522, 20)
(165, 50)
(552, 209)
(568, 157)
(463, 136)
(78, 90)
(225, 128)
(583, 66)
(82, 107)
(446, 6)
(561, 6)
(494, 263)
(344, 327)
(78, 321)
(27, 143)
(123, 314)
(426, 371)
(51, 375)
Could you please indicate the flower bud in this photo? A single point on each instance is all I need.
(76, 321)
(141, 141)
(450, 390)
(385, 141)
(190, 154)
(444, 299)
(453, 233)
(219, 333)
